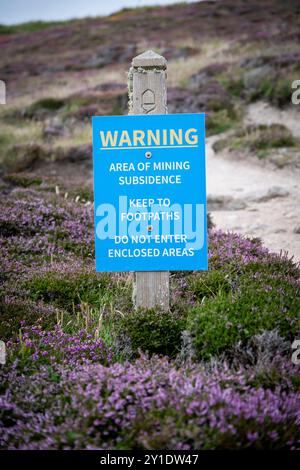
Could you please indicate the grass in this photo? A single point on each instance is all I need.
(25, 133)
(23, 180)
(16, 310)
(257, 140)
(180, 70)
(220, 121)
(78, 291)
(150, 331)
(48, 104)
(78, 135)
(29, 27)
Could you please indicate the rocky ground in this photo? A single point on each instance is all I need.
(256, 199)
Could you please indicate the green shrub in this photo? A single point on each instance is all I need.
(43, 107)
(262, 300)
(275, 89)
(51, 104)
(273, 376)
(68, 291)
(263, 137)
(14, 311)
(234, 86)
(152, 331)
(209, 284)
(219, 121)
(260, 82)
(257, 139)
(6, 139)
(24, 180)
(29, 27)
(84, 193)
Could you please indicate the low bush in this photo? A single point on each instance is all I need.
(14, 310)
(260, 300)
(54, 225)
(275, 89)
(78, 290)
(257, 139)
(23, 180)
(67, 292)
(210, 284)
(151, 331)
(149, 404)
(219, 121)
(34, 347)
(41, 108)
(262, 78)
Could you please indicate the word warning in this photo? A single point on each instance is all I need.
(149, 192)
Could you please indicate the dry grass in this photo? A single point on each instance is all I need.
(81, 134)
(180, 70)
(26, 133)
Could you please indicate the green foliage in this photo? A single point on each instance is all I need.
(276, 89)
(295, 380)
(66, 292)
(273, 376)
(23, 180)
(43, 106)
(117, 109)
(261, 82)
(83, 192)
(74, 103)
(14, 311)
(234, 86)
(209, 284)
(61, 238)
(6, 139)
(219, 121)
(51, 104)
(28, 27)
(152, 331)
(261, 300)
(258, 139)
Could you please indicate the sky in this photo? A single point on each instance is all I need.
(20, 11)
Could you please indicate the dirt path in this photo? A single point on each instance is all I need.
(263, 202)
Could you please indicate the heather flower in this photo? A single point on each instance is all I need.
(35, 346)
(149, 404)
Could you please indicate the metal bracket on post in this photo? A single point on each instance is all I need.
(148, 95)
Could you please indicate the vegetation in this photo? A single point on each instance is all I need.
(258, 140)
(29, 27)
(84, 368)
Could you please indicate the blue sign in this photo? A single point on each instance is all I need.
(149, 192)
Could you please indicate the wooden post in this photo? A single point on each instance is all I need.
(148, 95)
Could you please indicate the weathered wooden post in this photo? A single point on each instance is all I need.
(148, 95)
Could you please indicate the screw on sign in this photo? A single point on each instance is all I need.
(149, 187)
